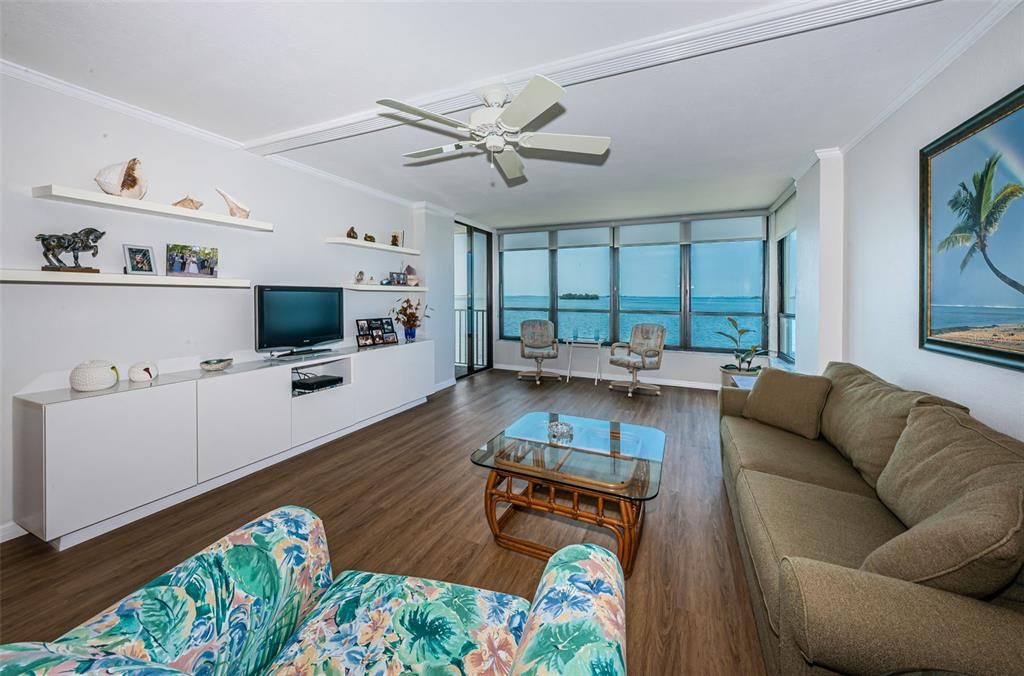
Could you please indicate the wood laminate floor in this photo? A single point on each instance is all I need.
(401, 497)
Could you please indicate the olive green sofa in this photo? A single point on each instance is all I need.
(884, 535)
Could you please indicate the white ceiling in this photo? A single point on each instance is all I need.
(717, 132)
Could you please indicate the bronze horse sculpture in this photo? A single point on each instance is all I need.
(73, 243)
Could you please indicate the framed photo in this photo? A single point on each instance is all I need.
(364, 341)
(972, 270)
(398, 278)
(187, 260)
(376, 331)
(390, 338)
(139, 259)
(389, 326)
(362, 328)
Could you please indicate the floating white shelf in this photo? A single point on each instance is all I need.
(100, 199)
(372, 245)
(384, 287)
(110, 279)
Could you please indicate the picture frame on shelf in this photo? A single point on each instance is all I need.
(139, 259)
(189, 260)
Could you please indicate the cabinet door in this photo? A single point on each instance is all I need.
(243, 418)
(108, 454)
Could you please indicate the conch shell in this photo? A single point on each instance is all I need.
(235, 208)
(188, 202)
(123, 179)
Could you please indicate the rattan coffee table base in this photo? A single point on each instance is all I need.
(542, 496)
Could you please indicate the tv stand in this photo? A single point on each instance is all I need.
(299, 354)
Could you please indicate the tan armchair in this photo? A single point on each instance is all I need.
(537, 341)
(642, 353)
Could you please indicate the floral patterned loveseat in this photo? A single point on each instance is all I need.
(261, 601)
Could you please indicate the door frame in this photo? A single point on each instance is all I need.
(471, 301)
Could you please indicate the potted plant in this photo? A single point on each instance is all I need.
(410, 315)
(744, 356)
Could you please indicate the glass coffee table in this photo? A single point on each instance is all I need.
(594, 471)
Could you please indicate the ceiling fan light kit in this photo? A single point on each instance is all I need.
(497, 127)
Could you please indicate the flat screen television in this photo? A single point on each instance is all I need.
(297, 318)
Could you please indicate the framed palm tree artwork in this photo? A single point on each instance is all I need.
(972, 237)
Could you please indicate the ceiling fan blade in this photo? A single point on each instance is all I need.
(538, 95)
(425, 114)
(568, 143)
(440, 150)
(510, 163)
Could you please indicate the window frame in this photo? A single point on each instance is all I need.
(685, 312)
(782, 315)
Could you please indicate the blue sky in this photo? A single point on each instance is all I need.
(720, 269)
(977, 285)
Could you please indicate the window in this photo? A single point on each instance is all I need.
(525, 288)
(649, 289)
(726, 280)
(787, 297)
(584, 293)
(566, 275)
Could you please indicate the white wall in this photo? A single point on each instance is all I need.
(882, 233)
(808, 235)
(49, 137)
(438, 225)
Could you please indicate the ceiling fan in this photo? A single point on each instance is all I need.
(498, 126)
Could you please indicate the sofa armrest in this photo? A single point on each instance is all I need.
(228, 609)
(577, 621)
(731, 401)
(852, 621)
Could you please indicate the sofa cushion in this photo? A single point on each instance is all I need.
(377, 623)
(748, 444)
(943, 455)
(864, 416)
(789, 401)
(974, 546)
(783, 517)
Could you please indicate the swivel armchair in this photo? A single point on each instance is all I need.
(642, 353)
(537, 342)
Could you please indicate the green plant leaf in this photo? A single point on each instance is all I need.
(463, 601)
(254, 571)
(556, 644)
(166, 615)
(431, 634)
(597, 659)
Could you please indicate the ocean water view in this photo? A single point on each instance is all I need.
(579, 323)
(963, 316)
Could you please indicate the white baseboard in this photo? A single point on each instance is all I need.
(11, 530)
(444, 384)
(584, 375)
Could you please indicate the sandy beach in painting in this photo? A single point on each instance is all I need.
(999, 337)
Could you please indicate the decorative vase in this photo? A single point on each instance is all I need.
(142, 372)
(410, 334)
(93, 375)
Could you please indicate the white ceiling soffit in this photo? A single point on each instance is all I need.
(715, 36)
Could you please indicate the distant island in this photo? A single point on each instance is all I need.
(578, 296)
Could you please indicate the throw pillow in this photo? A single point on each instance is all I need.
(789, 401)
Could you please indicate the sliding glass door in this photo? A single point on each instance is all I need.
(472, 300)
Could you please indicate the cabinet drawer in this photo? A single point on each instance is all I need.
(243, 418)
(107, 455)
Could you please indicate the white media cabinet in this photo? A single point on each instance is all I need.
(88, 462)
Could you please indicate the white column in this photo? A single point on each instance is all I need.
(434, 231)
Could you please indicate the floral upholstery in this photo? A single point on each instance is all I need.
(227, 610)
(537, 339)
(257, 601)
(389, 624)
(644, 350)
(577, 623)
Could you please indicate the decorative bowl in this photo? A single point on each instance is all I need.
(216, 364)
(559, 432)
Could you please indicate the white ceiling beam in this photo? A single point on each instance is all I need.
(736, 31)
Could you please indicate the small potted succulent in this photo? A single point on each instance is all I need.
(744, 356)
(410, 314)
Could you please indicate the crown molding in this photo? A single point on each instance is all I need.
(19, 72)
(435, 209)
(982, 26)
(735, 31)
